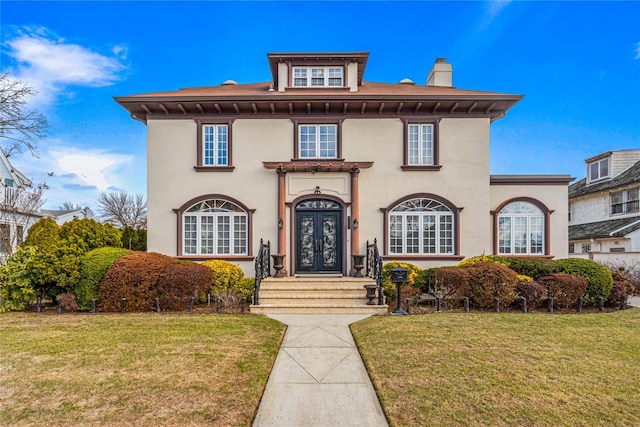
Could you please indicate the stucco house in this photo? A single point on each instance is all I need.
(319, 161)
(19, 206)
(604, 207)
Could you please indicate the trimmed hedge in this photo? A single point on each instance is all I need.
(227, 281)
(565, 289)
(622, 287)
(93, 267)
(450, 284)
(533, 267)
(489, 280)
(179, 282)
(534, 292)
(599, 279)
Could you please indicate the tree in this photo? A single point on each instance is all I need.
(70, 206)
(20, 127)
(122, 209)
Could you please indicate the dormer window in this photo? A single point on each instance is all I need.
(318, 76)
(598, 170)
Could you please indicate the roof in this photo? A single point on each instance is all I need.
(628, 177)
(610, 228)
(317, 58)
(61, 212)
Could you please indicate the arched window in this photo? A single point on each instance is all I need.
(421, 226)
(215, 227)
(521, 229)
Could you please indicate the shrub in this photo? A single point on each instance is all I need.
(489, 280)
(16, 290)
(534, 292)
(179, 282)
(412, 274)
(483, 258)
(67, 302)
(134, 277)
(599, 280)
(93, 267)
(391, 293)
(565, 289)
(245, 288)
(450, 284)
(226, 280)
(622, 287)
(532, 267)
(390, 289)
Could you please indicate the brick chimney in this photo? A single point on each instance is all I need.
(440, 74)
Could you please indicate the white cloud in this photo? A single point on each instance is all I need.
(94, 168)
(494, 8)
(49, 63)
(637, 50)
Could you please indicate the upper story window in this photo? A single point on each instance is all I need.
(318, 76)
(521, 229)
(626, 201)
(317, 141)
(420, 146)
(598, 170)
(214, 147)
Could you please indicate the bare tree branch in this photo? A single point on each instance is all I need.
(122, 209)
(19, 127)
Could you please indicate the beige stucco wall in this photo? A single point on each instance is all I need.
(589, 208)
(554, 197)
(463, 180)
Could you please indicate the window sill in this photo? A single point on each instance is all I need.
(526, 256)
(423, 257)
(214, 168)
(431, 168)
(223, 257)
(303, 88)
(322, 160)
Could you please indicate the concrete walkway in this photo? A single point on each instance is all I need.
(318, 378)
(633, 301)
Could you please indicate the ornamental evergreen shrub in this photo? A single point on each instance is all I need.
(93, 267)
(489, 280)
(565, 289)
(532, 267)
(599, 279)
(134, 277)
(227, 281)
(409, 290)
(451, 284)
(483, 258)
(179, 282)
(534, 292)
(622, 287)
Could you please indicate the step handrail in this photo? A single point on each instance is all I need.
(263, 268)
(374, 267)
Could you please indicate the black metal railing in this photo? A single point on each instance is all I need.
(374, 267)
(263, 268)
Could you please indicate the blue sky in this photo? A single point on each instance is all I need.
(577, 63)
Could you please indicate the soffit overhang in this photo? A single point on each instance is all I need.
(347, 104)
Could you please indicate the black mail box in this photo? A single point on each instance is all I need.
(399, 275)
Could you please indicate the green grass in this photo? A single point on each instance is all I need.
(134, 369)
(488, 369)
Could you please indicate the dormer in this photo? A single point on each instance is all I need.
(317, 71)
(610, 164)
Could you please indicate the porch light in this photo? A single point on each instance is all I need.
(280, 223)
(355, 223)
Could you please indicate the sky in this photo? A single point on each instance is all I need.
(576, 63)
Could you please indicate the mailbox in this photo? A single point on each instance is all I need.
(399, 275)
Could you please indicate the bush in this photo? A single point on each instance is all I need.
(450, 284)
(599, 279)
(67, 302)
(16, 290)
(534, 292)
(245, 288)
(622, 287)
(532, 267)
(93, 267)
(565, 289)
(489, 280)
(179, 282)
(134, 277)
(483, 258)
(408, 290)
(226, 282)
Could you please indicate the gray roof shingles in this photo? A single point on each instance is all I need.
(630, 176)
(594, 230)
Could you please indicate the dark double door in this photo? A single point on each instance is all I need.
(319, 237)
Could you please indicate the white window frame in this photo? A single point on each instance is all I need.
(318, 76)
(513, 219)
(426, 227)
(598, 170)
(215, 145)
(420, 144)
(317, 148)
(215, 227)
(624, 201)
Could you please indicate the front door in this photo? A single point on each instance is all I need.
(319, 236)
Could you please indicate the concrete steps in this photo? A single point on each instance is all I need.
(315, 295)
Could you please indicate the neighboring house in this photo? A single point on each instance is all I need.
(604, 207)
(19, 206)
(64, 215)
(319, 161)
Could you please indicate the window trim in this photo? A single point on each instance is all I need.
(627, 206)
(309, 77)
(600, 177)
(546, 233)
(180, 229)
(455, 210)
(436, 166)
(317, 122)
(200, 166)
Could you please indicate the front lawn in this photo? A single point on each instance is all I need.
(489, 369)
(134, 369)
